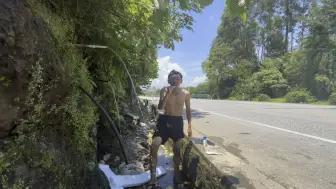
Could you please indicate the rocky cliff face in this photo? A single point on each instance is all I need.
(18, 52)
(24, 41)
(38, 107)
(48, 131)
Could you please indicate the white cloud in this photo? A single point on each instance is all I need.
(165, 66)
(198, 80)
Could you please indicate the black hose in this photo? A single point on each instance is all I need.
(110, 120)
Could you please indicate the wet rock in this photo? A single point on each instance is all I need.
(20, 42)
(41, 146)
(142, 124)
(21, 128)
(131, 119)
(22, 171)
(7, 116)
(2, 141)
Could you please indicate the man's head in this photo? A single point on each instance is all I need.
(175, 78)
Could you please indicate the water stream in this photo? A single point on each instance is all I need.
(115, 102)
(122, 61)
(132, 82)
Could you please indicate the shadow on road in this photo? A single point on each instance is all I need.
(195, 114)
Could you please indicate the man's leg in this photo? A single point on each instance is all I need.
(177, 160)
(153, 160)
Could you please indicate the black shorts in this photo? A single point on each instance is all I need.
(169, 127)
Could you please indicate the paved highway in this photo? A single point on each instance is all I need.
(286, 145)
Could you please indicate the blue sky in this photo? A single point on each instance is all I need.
(193, 50)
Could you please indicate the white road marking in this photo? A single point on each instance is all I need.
(273, 127)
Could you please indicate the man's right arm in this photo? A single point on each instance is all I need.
(163, 98)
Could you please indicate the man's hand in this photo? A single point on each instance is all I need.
(189, 130)
(170, 89)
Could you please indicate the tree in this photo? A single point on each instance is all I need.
(232, 55)
(295, 44)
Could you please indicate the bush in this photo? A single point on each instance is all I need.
(271, 82)
(262, 98)
(332, 99)
(299, 96)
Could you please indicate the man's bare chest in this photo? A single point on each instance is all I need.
(176, 99)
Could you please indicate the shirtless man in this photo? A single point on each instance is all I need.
(170, 124)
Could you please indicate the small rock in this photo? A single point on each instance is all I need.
(143, 124)
(102, 161)
(131, 168)
(106, 157)
(145, 157)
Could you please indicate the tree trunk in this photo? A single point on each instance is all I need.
(287, 25)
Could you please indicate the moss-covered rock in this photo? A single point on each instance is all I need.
(48, 123)
(197, 171)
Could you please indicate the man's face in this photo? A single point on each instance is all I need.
(175, 80)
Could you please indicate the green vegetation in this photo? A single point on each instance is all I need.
(299, 96)
(55, 144)
(332, 99)
(262, 98)
(286, 48)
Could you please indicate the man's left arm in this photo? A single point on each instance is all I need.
(188, 111)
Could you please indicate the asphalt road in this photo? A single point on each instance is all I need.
(293, 145)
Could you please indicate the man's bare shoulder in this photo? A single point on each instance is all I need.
(186, 92)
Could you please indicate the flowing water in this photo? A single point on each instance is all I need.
(136, 94)
(122, 61)
(132, 82)
(115, 102)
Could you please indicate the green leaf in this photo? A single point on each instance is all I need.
(93, 83)
(205, 3)
(243, 17)
(238, 8)
(189, 28)
(184, 4)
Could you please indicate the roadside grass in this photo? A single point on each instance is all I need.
(283, 100)
(321, 103)
(278, 100)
